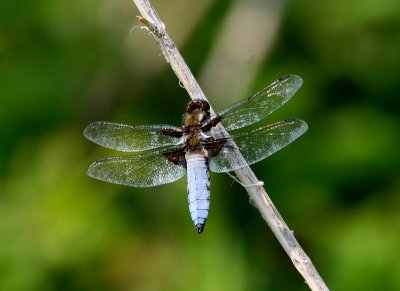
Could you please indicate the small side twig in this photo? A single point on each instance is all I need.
(257, 193)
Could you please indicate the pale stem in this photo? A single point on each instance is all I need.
(257, 193)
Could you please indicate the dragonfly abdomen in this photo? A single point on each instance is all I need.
(198, 187)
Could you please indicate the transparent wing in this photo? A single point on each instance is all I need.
(260, 105)
(145, 170)
(257, 144)
(127, 138)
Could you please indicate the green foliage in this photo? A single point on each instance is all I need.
(66, 64)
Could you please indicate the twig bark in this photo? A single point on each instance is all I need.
(258, 195)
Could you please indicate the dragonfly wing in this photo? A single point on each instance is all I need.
(145, 170)
(127, 138)
(260, 105)
(257, 144)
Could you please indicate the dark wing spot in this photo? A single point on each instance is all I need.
(177, 156)
(172, 132)
(215, 146)
(213, 122)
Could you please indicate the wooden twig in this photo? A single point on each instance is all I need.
(258, 195)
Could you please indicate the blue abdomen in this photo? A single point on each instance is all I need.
(198, 187)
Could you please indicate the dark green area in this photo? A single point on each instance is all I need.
(66, 64)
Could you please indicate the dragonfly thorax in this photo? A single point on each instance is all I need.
(197, 112)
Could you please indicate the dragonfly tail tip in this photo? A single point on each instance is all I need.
(199, 228)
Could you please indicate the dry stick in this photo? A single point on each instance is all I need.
(258, 195)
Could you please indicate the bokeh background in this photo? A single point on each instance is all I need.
(66, 64)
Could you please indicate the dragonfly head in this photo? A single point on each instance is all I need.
(199, 106)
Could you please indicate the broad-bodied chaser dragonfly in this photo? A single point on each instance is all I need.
(193, 149)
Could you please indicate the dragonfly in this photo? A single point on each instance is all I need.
(165, 153)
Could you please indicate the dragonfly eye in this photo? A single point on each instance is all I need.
(198, 104)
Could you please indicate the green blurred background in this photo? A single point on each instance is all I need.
(66, 64)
